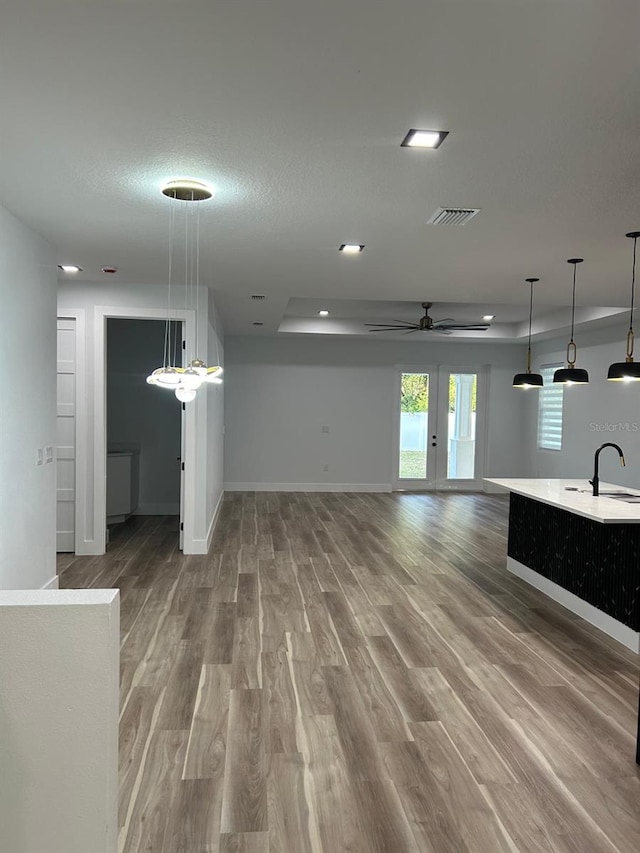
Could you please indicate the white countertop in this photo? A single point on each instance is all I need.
(576, 496)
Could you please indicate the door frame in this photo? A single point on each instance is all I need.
(436, 479)
(78, 315)
(188, 505)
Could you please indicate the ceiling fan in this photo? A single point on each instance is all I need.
(427, 324)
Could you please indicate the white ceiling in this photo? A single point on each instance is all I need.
(295, 112)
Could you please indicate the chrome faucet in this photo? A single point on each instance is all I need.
(596, 480)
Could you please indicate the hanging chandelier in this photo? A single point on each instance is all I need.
(572, 375)
(628, 370)
(185, 195)
(528, 379)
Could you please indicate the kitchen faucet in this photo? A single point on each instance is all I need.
(596, 480)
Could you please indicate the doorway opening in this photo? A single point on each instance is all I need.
(144, 427)
(440, 428)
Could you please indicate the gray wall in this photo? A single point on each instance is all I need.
(141, 414)
(280, 392)
(27, 407)
(592, 414)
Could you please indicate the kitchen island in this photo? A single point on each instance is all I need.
(582, 551)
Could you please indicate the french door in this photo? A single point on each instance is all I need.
(440, 428)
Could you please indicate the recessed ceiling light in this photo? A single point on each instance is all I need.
(323, 313)
(488, 317)
(424, 138)
(351, 248)
(69, 268)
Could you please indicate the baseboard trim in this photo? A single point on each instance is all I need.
(52, 584)
(201, 546)
(158, 509)
(605, 623)
(307, 487)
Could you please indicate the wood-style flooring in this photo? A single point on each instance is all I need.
(358, 673)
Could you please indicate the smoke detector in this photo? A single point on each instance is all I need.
(109, 269)
(453, 215)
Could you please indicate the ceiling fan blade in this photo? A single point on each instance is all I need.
(465, 327)
(393, 323)
(388, 327)
(442, 330)
(444, 322)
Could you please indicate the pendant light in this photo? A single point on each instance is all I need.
(186, 381)
(628, 370)
(572, 375)
(528, 379)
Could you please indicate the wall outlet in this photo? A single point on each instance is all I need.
(40, 456)
(325, 429)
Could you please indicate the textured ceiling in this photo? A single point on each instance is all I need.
(295, 112)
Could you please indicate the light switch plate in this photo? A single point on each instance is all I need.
(40, 456)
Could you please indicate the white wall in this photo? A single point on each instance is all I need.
(280, 392)
(592, 414)
(215, 421)
(96, 300)
(27, 407)
(59, 671)
(138, 415)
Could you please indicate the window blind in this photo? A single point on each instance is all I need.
(550, 403)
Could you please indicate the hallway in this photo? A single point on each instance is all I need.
(358, 672)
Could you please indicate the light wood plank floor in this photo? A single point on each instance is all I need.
(358, 672)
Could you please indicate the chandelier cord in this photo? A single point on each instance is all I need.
(167, 327)
(573, 301)
(633, 283)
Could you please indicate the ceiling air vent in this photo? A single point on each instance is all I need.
(258, 297)
(453, 215)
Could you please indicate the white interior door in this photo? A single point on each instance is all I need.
(440, 434)
(66, 437)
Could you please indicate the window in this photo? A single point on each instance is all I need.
(550, 402)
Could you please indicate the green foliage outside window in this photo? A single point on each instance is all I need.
(415, 393)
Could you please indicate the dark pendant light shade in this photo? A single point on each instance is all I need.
(528, 379)
(572, 375)
(628, 370)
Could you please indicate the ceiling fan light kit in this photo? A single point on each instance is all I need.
(572, 375)
(628, 370)
(529, 379)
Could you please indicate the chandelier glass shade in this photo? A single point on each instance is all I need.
(185, 197)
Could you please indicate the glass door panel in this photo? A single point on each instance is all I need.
(414, 426)
(461, 426)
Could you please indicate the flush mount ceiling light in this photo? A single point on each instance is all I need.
(424, 138)
(323, 313)
(488, 317)
(351, 248)
(628, 370)
(572, 375)
(528, 379)
(69, 268)
(185, 381)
